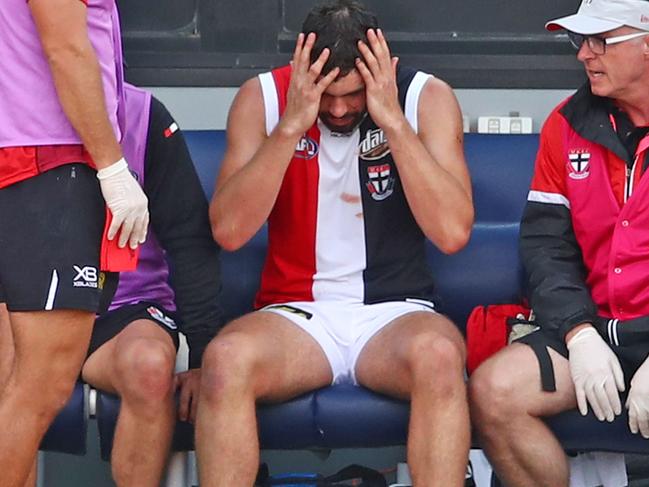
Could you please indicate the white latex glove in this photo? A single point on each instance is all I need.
(638, 401)
(596, 373)
(127, 202)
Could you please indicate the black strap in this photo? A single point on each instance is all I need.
(548, 383)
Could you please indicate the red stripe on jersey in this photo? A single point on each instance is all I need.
(20, 163)
(291, 259)
(282, 78)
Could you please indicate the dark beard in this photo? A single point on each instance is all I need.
(346, 129)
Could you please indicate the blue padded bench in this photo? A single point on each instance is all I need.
(487, 271)
(68, 432)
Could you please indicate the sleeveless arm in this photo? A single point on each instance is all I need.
(433, 170)
(252, 170)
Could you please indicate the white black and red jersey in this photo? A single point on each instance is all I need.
(341, 228)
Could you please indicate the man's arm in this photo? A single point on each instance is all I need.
(431, 163)
(254, 165)
(432, 168)
(63, 32)
(556, 276)
(251, 172)
(62, 28)
(179, 217)
(557, 281)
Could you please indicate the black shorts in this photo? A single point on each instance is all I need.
(109, 324)
(51, 228)
(630, 355)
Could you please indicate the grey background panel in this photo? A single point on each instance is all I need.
(207, 108)
(471, 43)
(461, 16)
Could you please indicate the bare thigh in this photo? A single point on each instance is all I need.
(514, 373)
(384, 365)
(280, 358)
(49, 344)
(6, 345)
(99, 369)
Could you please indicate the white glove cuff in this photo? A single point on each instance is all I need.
(581, 335)
(113, 169)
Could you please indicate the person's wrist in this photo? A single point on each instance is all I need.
(115, 168)
(288, 129)
(579, 332)
(397, 127)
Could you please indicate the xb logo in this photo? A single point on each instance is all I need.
(86, 276)
(87, 273)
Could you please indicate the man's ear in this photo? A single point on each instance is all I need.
(645, 46)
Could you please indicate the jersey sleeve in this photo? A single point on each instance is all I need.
(179, 217)
(555, 273)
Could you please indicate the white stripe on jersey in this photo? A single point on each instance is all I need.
(271, 103)
(340, 227)
(552, 198)
(412, 98)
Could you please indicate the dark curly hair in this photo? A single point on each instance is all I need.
(339, 25)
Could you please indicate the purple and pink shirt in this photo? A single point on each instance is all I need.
(150, 280)
(35, 133)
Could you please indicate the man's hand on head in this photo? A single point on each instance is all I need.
(306, 87)
(379, 71)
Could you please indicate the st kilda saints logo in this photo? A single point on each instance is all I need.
(380, 183)
(578, 164)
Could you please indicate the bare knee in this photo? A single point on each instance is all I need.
(493, 396)
(144, 371)
(228, 366)
(436, 362)
(47, 389)
(44, 399)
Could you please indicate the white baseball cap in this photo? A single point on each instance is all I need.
(597, 16)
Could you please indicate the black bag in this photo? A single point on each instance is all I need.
(368, 477)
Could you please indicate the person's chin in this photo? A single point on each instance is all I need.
(599, 85)
(602, 90)
(340, 128)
